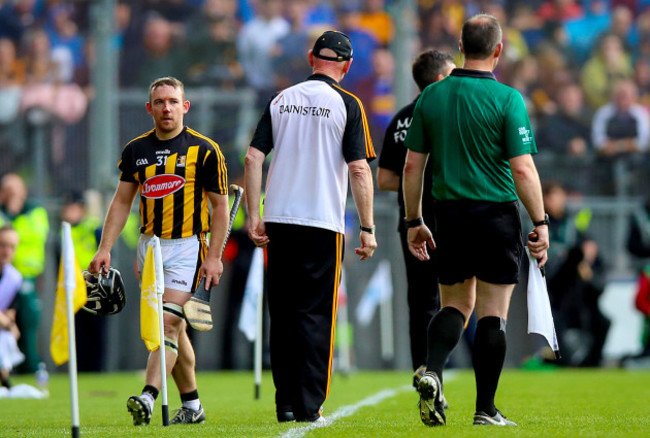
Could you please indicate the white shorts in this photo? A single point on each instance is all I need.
(180, 258)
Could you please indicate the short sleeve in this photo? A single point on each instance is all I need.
(519, 138)
(214, 173)
(127, 172)
(263, 137)
(357, 144)
(416, 138)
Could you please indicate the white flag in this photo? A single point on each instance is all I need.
(254, 287)
(540, 318)
(379, 289)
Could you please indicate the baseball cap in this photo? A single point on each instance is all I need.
(334, 40)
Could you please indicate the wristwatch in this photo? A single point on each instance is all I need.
(545, 221)
(370, 229)
(414, 223)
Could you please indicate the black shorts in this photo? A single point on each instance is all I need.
(478, 239)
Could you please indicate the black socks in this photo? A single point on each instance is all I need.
(445, 330)
(487, 357)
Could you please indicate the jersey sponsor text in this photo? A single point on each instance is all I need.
(159, 186)
(301, 110)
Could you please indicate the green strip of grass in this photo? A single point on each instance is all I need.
(564, 403)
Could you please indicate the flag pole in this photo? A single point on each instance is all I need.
(160, 290)
(343, 327)
(70, 287)
(259, 322)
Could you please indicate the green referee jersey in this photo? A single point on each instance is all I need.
(471, 125)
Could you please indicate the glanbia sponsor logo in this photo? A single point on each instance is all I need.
(160, 186)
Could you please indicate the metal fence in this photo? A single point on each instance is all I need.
(55, 159)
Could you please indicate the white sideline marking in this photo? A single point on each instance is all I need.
(346, 411)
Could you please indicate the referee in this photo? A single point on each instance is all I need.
(319, 136)
(422, 276)
(477, 134)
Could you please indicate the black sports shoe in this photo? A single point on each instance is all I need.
(285, 417)
(483, 419)
(139, 410)
(417, 375)
(188, 416)
(432, 410)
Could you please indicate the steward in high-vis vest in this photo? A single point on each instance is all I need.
(32, 225)
(86, 232)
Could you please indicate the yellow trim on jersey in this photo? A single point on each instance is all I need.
(335, 305)
(190, 175)
(370, 151)
(168, 201)
(223, 172)
(149, 204)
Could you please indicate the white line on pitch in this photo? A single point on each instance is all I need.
(345, 411)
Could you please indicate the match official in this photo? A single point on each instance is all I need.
(319, 136)
(477, 134)
(177, 172)
(422, 276)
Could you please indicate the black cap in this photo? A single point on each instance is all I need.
(338, 42)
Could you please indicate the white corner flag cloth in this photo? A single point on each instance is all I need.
(540, 318)
(379, 289)
(254, 286)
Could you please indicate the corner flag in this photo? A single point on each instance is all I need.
(71, 281)
(149, 324)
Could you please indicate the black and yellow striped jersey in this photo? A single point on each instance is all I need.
(173, 177)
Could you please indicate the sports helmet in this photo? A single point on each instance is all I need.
(106, 295)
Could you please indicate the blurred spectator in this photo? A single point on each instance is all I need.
(86, 232)
(363, 42)
(376, 93)
(638, 244)
(525, 79)
(576, 279)
(642, 79)
(623, 25)
(67, 44)
(621, 126)
(16, 16)
(604, 70)
(514, 44)
(377, 21)
(213, 53)
(319, 13)
(289, 64)
(10, 280)
(32, 225)
(154, 57)
(568, 131)
(255, 44)
(12, 77)
(438, 31)
(582, 32)
(560, 10)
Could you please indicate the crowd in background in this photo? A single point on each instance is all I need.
(583, 67)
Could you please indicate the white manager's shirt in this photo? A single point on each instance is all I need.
(314, 129)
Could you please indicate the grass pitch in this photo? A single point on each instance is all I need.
(563, 403)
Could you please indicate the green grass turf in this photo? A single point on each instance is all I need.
(566, 403)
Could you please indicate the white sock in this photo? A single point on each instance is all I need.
(148, 399)
(194, 405)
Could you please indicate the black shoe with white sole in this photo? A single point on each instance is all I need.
(139, 410)
(432, 410)
(483, 419)
(188, 416)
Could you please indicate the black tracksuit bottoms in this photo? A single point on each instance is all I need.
(303, 274)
